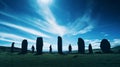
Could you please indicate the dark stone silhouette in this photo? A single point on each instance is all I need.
(50, 49)
(33, 49)
(70, 48)
(60, 45)
(98, 52)
(39, 45)
(90, 49)
(24, 46)
(12, 47)
(105, 46)
(75, 56)
(81, 46)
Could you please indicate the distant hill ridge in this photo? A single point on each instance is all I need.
(8, 49)
(16, 49)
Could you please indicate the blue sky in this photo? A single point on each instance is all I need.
(91, 20)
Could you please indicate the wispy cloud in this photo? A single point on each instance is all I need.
(9, 40)
(50, 22)
(33, 21)
(94, 42)
(115, 42)
(82, 24)
(85, 30)
(11, 16)
(13, 38)
(104, 34)
(28, 30)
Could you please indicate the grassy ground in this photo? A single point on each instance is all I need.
(55, 60)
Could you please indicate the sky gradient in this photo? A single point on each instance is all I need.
(92, 20)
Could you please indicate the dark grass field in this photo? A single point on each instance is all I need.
(56, 60)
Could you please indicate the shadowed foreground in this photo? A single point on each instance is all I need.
(55, 60)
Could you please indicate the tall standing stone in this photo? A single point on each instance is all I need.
(81, 46)
(33, 48)
(90, 49)
(70, 48)
(60, 45)
(12, 47)
(24, 46)
(39, 45)
(50, 49)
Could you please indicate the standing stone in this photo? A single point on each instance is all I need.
(24, 46)
(39, 45)
(12, 47)
(50, 49)
(81, 46)
(90, 49)
(70, 48)
(105, 46)
(60, 45)
(33, 49)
